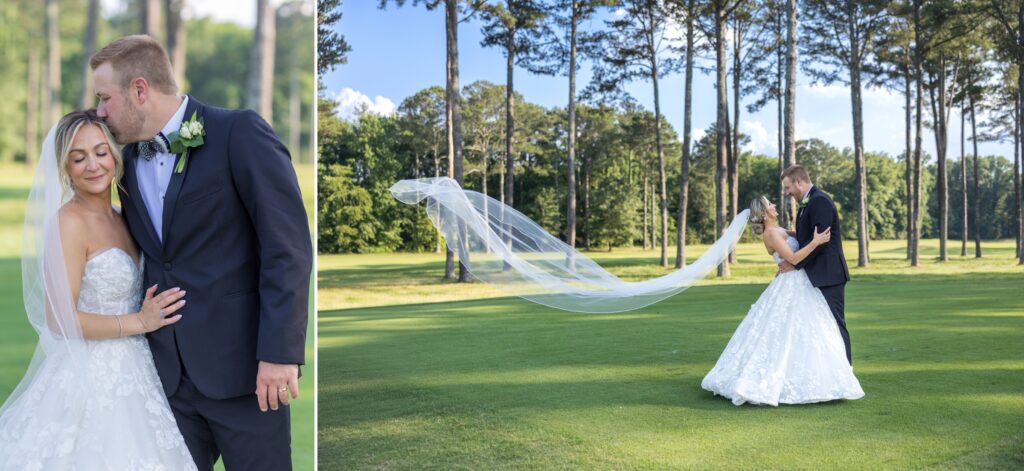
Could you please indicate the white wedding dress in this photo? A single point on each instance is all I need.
(120, 419)
(787, 350)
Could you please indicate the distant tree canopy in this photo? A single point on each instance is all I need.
(361, 158)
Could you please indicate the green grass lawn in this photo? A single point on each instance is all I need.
(416, 373)
(18, 340)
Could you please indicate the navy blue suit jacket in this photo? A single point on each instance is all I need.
(826, 265)
(236, 238)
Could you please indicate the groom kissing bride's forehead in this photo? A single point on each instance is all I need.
(211, 198)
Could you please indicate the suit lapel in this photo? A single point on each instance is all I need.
(139, 207)
(178, 179)
(800, 212)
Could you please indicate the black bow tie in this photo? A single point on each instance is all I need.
(156, 145)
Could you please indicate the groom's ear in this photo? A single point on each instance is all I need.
(139, 89)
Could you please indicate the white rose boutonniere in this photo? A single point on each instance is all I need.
(189, 136)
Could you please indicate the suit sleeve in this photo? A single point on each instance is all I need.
(819, 217)
(263, 174)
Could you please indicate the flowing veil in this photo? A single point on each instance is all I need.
(46, 291)
(500, 245)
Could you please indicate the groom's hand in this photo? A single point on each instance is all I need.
(274, 382)
(785, 267)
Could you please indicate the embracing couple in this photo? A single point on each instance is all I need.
(171, 330)
(793, 346)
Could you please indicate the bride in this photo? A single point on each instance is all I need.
(91, 399)
(788, 349)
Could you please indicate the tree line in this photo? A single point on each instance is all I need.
(46, 45)
(939, 55)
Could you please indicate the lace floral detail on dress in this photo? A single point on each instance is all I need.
(122, 419)
(787, 350)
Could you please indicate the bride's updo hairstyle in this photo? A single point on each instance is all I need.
(67, 129)
(758, 212)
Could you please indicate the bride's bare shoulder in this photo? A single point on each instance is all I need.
(73, 227)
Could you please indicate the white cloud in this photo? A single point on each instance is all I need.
(836, 135)
(880, 96)
(760, 139)
(698, 134)
(620, 12)
(350, 102)
(834, 90)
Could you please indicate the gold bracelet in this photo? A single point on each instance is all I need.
(120, 328)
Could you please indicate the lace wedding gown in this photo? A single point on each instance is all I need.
(124, 421)
(787, 350)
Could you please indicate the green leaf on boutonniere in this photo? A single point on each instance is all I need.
(188, 136)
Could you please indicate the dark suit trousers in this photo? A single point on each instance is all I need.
(835, 296)
(235, 428)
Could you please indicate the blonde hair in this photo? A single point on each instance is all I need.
(67, 129)
(758, 212)
(138, 56)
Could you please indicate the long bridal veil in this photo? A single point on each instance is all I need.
(46, 292)
(500, 245)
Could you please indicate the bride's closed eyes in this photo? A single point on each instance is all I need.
(78, 155)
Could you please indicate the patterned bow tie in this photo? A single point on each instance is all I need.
(157, 145)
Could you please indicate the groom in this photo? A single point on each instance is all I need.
(825, 266)
(226, 223)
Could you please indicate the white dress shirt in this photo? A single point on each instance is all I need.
(807, 196)
(155, 175)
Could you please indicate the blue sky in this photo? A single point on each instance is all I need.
(399, 51)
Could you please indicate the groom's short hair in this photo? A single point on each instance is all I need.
(138, 56)
(796, 173)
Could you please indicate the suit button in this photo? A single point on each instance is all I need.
(167, 266)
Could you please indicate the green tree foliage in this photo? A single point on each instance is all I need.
(217, 56)
(615, 150)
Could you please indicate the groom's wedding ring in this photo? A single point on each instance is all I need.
(162, 313)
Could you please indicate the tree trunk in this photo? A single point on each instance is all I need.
(939, 125)
(646, 206)
(977, 195)
(1019, 128)
(261, 58)
(295, 118)
(439, 245)
(734, 148)
(963, 184)
(452, 27)
(1016, 171)
(508, 175)
(908, 175)
(483, 190)
(662, 194)
(570, 200)
(858, 138)
(721, 209)
(919, 98)
(89, 46)
(51, 94)
(684, 180)
(150, 11)
(449, 101)
(587, 163)
(32, 106)
(176, 39)
(654, 220)
(780, 57)
(790, 144)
